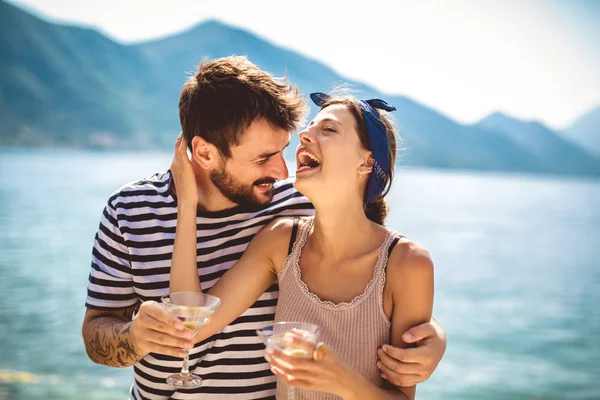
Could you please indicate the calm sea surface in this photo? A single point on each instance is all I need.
(517, 276)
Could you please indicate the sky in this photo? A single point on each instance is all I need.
(532, 59)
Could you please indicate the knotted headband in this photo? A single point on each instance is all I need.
(378, 140)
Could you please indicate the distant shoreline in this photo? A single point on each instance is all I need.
(399, 166)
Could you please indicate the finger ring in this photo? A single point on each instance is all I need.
(320, 351)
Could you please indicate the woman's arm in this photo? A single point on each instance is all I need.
(239, 287)
(410, 278)
(184, 270)
(251, 276)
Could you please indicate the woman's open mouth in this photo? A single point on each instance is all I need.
(306, 160)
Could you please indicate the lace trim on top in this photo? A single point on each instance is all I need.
(295, 264)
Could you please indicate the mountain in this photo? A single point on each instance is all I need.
(431, 139)
(549, 149)
(586, 131)
(62, 84)
(69, 86)
(176, 57)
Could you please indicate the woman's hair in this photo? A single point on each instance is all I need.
(377, 209)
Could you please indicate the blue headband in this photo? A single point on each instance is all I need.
(380, 147)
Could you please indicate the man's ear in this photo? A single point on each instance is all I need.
(367, 165)
(205, 154)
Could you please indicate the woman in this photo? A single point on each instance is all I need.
(342, 270)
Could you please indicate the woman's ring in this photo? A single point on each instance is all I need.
(320, 351)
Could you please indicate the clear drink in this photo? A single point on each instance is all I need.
(280, 336)
(284, 342)
(194, 309)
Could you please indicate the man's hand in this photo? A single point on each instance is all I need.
(155, 330)
(112, 338)
(408, 367)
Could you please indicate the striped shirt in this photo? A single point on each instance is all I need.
(131, 262)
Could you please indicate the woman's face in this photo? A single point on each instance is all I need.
(330, 160)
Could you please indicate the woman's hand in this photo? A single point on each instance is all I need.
(323, 372)
(183, 174)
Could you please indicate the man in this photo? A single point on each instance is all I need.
(238, 120)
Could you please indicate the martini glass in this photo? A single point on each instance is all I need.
(194, 309)
(281, 336)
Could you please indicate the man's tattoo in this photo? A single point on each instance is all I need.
(110, 344)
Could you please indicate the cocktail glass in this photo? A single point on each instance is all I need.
(281, 336)
(194, 309)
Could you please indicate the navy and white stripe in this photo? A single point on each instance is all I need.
(131, 261)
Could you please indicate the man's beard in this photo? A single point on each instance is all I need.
(238, 192)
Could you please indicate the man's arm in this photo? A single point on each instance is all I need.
(107, 337)
(111, 334)
(114, 339)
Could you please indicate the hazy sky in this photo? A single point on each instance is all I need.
(532, 59)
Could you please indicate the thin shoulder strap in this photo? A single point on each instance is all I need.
(383, 272)
(394, 242)
(294, 234)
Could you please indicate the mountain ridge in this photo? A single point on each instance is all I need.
(62, 85)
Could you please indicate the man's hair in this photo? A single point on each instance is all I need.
(226, 95)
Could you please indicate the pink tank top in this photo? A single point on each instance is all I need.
(353, 331)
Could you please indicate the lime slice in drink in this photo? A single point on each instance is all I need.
(190, 325)
(296, 352)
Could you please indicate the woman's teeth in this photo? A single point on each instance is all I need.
(307, 161)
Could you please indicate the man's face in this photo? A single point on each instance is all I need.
(247, 177)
